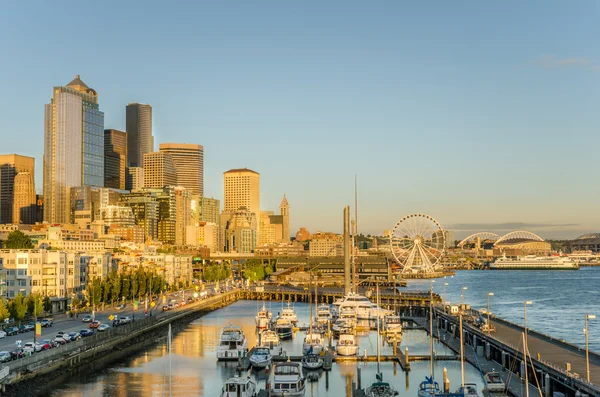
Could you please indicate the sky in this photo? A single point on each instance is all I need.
(483, 115)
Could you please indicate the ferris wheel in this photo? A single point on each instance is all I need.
(418, 243)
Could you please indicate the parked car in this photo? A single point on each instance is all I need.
(165, 308)
(29, 347)
(59, 340)
(64, 336)
(95, 324)
(47, 322)
(5, 357)
(12, 331)
(30, 326)
(22, 329)
(50, 343)
(86, 332)
(125, 320)
(103, 327)
(74, 336)
(17, 353)
(87, 319)
(2, 334)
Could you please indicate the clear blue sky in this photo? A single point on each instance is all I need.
(477, 113)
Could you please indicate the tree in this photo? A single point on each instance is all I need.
(35, 304)
(115, 290)
(142, 282)
(4, 313)
(19, 307)
(74, 303)
(106, 290)
(125, 285)
(135, 284)
(94, 292)
(18, 240)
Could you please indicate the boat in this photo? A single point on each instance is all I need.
(283, 327)
(312, 361)
(364, 308)
(233, 343)
(288, 313)
(260, 357)
(429, 387)
(532, 262)
(468, 390)
(313, 342)
(494, 382)
(379, 388)
(263, 318)
(238, 387)
(287, 380)
(323, 314)
(269, 338)
(347, 344)
(392, 325)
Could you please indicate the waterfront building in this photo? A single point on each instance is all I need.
(24, 201)
(71, 239)
(159, 170)
(95, 264)
(73, 147)
(188, 160)
(209, 210)
(134, 178)
(10, 166)
(303, 235)
(115, 159)
(139, 133)
(326, 244)
(279, 250)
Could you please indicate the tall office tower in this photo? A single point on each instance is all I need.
(135, 178)
(159, 170)
(284, 211)
(115, 159)
(24, 203)
(73, 146)
(183, 216)
(138, 123)
(242, 189)
(10, 166)
(188, 160)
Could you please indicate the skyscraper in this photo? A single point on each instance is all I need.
(24, 201)
(73, 146)
(284, 211)
(135, 178)
(10, 166)
(139, 133)
(188, 160)
(115, 158)
(159, 170)
(242, 189)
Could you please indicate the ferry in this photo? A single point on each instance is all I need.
(365, 309)
(287, 380)
(532, 262)
(263, 318)
(238, 386)
(233, 343)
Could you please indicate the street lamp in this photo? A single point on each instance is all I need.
(488, 311)
(587, 355)
(462, 296)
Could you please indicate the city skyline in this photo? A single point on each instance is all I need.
(494, 136)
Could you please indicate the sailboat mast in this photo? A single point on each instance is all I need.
(378, 328)
(431, 330)
(525, 366)
(462, 355)
(310, 304)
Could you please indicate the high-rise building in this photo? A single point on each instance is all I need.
(183, 216)
(10, 166)
(115, 159)
(284, 211)
(145, 211)
(24, 203)
(135, 178)
(242, 189)
(159, 170)
(208, 210)
(73, 146)
(188, 160)
(139, 133)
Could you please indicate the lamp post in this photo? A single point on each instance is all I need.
(488, 312)
(587, 354)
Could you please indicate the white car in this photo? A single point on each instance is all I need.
(2, 334)
(103, 327)
(29, 347)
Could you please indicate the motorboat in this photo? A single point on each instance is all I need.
(284, 330)
(429, 388)
(263, 318)
(323, 314)
(312, 362)
(233, 343)
(288, 313)
(494, 382)
(314, 343)
(392, 325)
(269, 338)
(346, 319)
(364, 308)
(347, 344)
(287, 380)
(468, 390)
(260, 357)
(239, 387)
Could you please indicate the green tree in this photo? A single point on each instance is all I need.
(4, 313)
(115, 289)
(74, 303)
(135, 284)
(94, 292)
(35, 304)
(142, 282)
(125, 285)
(106, 290)
(18, 240)
(19, 307)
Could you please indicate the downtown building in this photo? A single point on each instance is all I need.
(188, 161)
(140, 141)
(115, 159)
(17, 189)
(241, 213)
(73, 147)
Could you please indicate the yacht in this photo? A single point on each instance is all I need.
(288, 313)
(392, 325)
(269, 338)
(287, 380)
(238, 387)
(314, 343)
(365, 309)
(347, 344)
(312, 362)
(283, 327)
(494, 382)
(260, 357)
(532, 262)
(233, 343)
(263, 318)
(323, 314)
(346, 319)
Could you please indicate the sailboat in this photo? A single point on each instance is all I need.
(429, 387)
(379, 388)
(313, 341)
(465, 389)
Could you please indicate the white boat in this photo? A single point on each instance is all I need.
(287, 380)
(494, 382)
(238, 387)
(269, 338)
(468, 390)
(288, 313)
(323, 314)
(347, 344)
(312, 362)
(392, 325)
(263, 318)
(364, 308)
(260, 357)
(532, 262)
(284, 330)
(314, 343)
(233, 343)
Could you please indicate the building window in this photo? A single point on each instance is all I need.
(21, 272)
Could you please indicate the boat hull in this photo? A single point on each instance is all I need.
(349, 350)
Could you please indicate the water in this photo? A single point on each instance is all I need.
(196, 371)
(560, 298)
